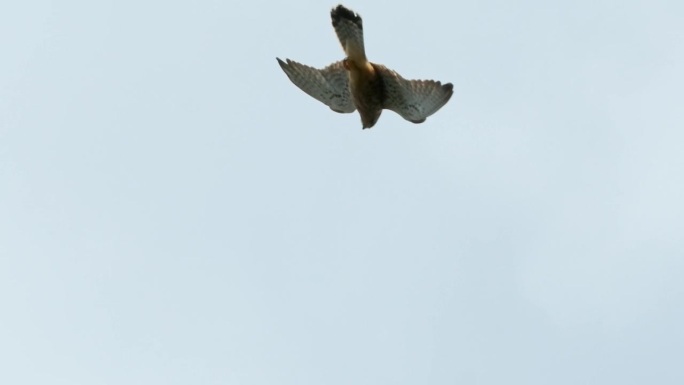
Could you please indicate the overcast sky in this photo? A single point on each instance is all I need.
(173, 210)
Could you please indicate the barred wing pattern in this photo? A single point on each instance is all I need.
(355, 84)
(414, 100)
(329, 85)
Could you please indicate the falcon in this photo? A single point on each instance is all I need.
(358, 84)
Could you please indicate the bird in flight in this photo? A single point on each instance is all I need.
(357, 84)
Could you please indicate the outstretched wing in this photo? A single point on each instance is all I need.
(329, 85)
(414, 100)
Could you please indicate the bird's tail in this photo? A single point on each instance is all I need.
(349, 28)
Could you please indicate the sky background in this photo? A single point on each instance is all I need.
(174, 211)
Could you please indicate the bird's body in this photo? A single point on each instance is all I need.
(367, 91)
(357, 84)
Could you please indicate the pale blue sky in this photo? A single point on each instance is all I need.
(174, 211)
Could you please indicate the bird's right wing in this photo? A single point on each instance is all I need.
(329, 85)
(414, 100)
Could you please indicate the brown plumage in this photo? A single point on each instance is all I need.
(357, 84)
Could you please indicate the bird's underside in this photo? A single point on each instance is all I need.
(357, 84)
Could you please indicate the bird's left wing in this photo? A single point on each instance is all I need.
(329, 85)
